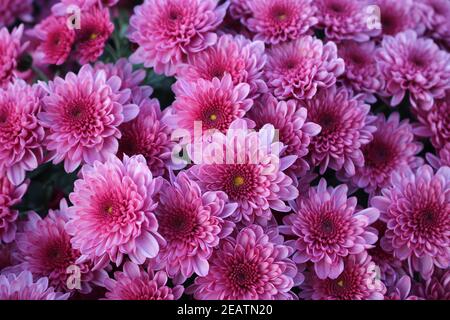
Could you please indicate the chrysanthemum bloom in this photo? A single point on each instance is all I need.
(45, 250)
(113, 212)
(346, 128)
(149, 136)
(358, 281)
(215, 103)
(404, 62)
(435, 123)
(10, 10)
(167, 31)
(392, 148)
(416, 209)
(362, 73)
(293, 130)
(10, 195)
(248, 266)
(298, 68)
(435, 15)
(82, 114)
(398, 16)
(134, 283)
(345, 19)
(95, 29)
(21, 134)
(275, 21)
(55, 40)
(435, 288)
(252, 174)
(240, 9)
(22, 287)
(192, 223)
(327, 227)
(401, 290)
(241, 58)
(10, 50)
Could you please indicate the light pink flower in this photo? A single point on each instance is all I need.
(297, 69)
(134, 283)
(416, 209)
(10, 195)
(82, 114)
(10, 50)
(113, 212)
(167, 31)
(249, 266)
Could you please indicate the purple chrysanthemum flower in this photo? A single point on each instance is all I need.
(392, 148)
(416, 209)
(298, 68)
(404, 62)
(358, 281)
(251, 266)
(82, 114)
(275, 21)
(346, 128)
(22, 287)
(435, 288)
(293, 129)
(243, 59)
(134, 283)
(398, 16)
(327, 227)
(436, 16)
(167, 31)
(113, 212)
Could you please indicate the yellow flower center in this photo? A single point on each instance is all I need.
(238, 181)
(93, 36)
(213, 117)
(340, 283)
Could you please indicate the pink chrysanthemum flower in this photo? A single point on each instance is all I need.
(10, 50)
(404, 62)
(149, 136)
(416, 209)
(251, 175)
(113, 212)
(134, 283)
(248, 266)
(10, 195)
(293, 130)
(21, 134)
(435, 16)
(216, 104)
(298, 68)
(275, 21)
(327, 227)
(192, 223)
(392, 148)
(398, 16)
(45, 250)
(55, 40)
(167, 31)
(82, 114)
(435, 288)
(401, 290)
(241, 58)
(10, 10)
(22, 287)
(346, 128)
(345, 19)
(435, 123)
(95, 29)
(358, 281)
(362, 73)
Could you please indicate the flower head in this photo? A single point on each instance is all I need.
(21, 135)
(435, 16)
(398, 16)
(192, 223)
(113, 212)
(250, 266)
(298, 68)
(22, 287)
(10, 50)
(275, 21)
(416, 209)
(10, 195)
(346, 128)
(327, 227)
(82, 114)
(166, 31)
(134, 283)
(404, 64)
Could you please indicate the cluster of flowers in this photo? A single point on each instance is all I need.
(348, 102)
